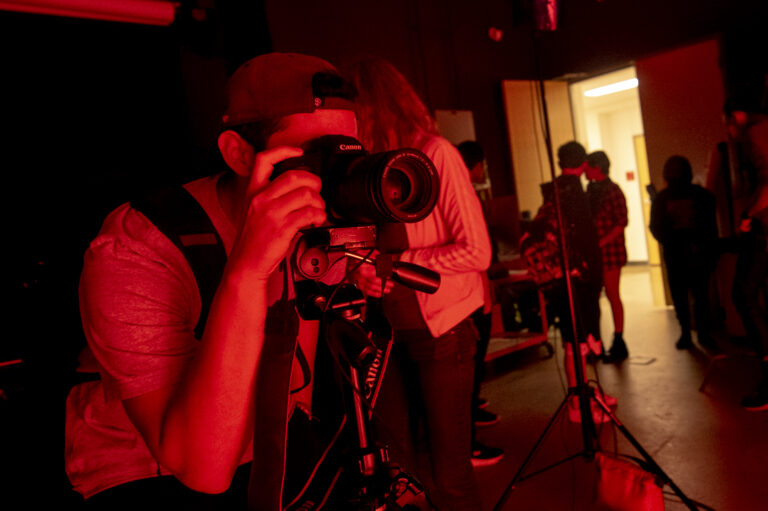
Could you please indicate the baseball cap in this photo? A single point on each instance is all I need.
(274, 85)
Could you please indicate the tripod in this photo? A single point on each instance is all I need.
(373, 482)
(585, 394)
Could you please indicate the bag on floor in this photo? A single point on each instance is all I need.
(623, 485)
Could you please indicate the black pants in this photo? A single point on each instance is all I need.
(427, 388)
(586, 305)
(688, 274)
(482, 323)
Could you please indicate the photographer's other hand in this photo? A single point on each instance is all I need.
(274, 212)
(366, 279)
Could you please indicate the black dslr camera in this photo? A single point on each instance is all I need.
(362, 190)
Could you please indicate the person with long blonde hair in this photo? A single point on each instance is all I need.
(431, 373)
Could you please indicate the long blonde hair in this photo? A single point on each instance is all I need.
(390, 114)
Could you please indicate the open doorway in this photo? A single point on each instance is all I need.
(606, 116)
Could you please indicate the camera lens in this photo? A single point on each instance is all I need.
(394, 186)
(362, 188)
(408, 186)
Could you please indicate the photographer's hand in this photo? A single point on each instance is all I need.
(274, 212)
(366, 279)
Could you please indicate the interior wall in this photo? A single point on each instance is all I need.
(525, 125)
(681, 97)
(598, 36)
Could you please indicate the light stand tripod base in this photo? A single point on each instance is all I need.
(519, 477)
(586, 394)
(589, 455)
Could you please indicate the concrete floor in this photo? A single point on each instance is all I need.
(715, 452)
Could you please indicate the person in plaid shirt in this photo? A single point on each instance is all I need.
(609, 213)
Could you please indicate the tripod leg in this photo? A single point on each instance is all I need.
(654, 466)
(580, 406)
(532, 453)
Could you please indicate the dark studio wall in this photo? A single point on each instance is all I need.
(443, 47)
(94, 113)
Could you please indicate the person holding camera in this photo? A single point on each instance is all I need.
(431, 370)
(170, 418)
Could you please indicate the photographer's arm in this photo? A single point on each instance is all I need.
(200, 427)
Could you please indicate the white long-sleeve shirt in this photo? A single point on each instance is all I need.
(453, 241)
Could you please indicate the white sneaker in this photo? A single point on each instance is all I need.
(483, 455)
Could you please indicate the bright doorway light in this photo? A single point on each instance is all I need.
(611, 88)
(612, 122)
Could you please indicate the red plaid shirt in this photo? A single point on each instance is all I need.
(609, 210)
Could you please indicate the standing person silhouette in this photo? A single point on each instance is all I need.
(474, 157)
(609, 213)
(684, 223)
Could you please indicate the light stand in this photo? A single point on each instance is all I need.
(585, 394)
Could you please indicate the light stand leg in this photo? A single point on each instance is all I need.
(528, 459)
(647, 457)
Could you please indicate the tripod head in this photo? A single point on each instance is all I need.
(321, 248)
